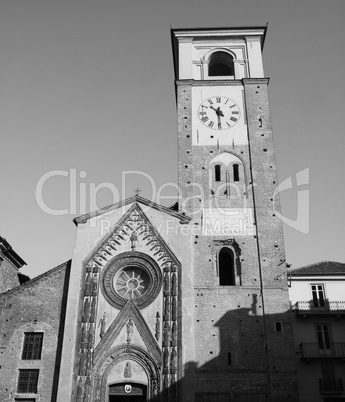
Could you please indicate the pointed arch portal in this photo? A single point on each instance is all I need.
(108, 389)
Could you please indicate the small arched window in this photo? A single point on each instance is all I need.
(226, 267)
(217, 173)
(236, 172)
(220, 64)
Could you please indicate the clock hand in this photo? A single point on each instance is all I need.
(219, 121)
(219, 112)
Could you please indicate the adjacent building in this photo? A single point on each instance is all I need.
(317, 295)
(10, 263)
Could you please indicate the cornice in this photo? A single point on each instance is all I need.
(221, 32)
(251, 81)
(241, 82)
(198, 83)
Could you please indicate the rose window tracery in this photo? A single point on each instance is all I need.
(131, 282)
(131, 276)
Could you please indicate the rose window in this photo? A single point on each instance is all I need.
(131, 276)
(131, 282)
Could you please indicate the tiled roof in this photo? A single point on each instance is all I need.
(320, 268)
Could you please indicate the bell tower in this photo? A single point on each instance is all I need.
(227, 180)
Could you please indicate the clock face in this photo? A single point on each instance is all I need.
(219, 113)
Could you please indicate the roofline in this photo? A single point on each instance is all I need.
(136, 198)
(297, 271)
(214, 29)
(318, 274)
(220, 28)
(27, 283)
(9, 253)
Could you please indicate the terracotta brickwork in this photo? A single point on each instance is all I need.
(239, 352)
(10, 262)
(8, 275)
(185, 169)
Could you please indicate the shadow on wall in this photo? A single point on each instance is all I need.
(255, 361)
(23, 278)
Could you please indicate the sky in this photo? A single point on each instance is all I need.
(87, 93)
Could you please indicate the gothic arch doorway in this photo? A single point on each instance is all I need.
(126, 365)
(127, 392)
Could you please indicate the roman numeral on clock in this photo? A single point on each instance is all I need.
(221, 113)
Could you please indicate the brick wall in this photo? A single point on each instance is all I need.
(36, 306)
(238, 352)
(8, 275)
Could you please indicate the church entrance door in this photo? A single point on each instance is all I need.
(127, 392)
(126, 398)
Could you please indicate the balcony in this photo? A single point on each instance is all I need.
(331, 386)
(313, 351)
(304, 308)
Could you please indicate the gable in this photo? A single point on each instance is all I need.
(133, 224)
(136, 199)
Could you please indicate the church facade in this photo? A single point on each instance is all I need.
(173, 304)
